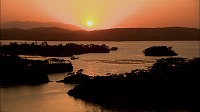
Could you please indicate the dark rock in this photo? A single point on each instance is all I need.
(113, 48)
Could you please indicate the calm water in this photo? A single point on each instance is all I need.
(52, 97)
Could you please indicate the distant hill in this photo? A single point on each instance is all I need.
(118, 34)
(31, 24)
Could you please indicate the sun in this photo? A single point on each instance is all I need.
(89, 23)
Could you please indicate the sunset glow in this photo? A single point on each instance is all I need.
(99, 55)
(89, 23)
(104, 14)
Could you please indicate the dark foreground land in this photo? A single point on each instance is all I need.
(15, 70)
(170, 84)
(44, 49)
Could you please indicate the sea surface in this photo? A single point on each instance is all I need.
(52, 97)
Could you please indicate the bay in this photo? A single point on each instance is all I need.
(52, 96)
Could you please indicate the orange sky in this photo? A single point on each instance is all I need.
(104, 13)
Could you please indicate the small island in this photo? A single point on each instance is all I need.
(113, 48)
(171, 83)
(54, 65)
(16, 70)
(159, 51)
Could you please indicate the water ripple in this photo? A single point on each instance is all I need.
(125, 61)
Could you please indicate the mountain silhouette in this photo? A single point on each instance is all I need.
(32, 24)
(117, 34)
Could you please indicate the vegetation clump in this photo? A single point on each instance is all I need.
(159, 51)
(54, 65)
(76, 78)
(15, 70)
(44, 49)
(171, 83)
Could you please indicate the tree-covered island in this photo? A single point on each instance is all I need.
(171, 83)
